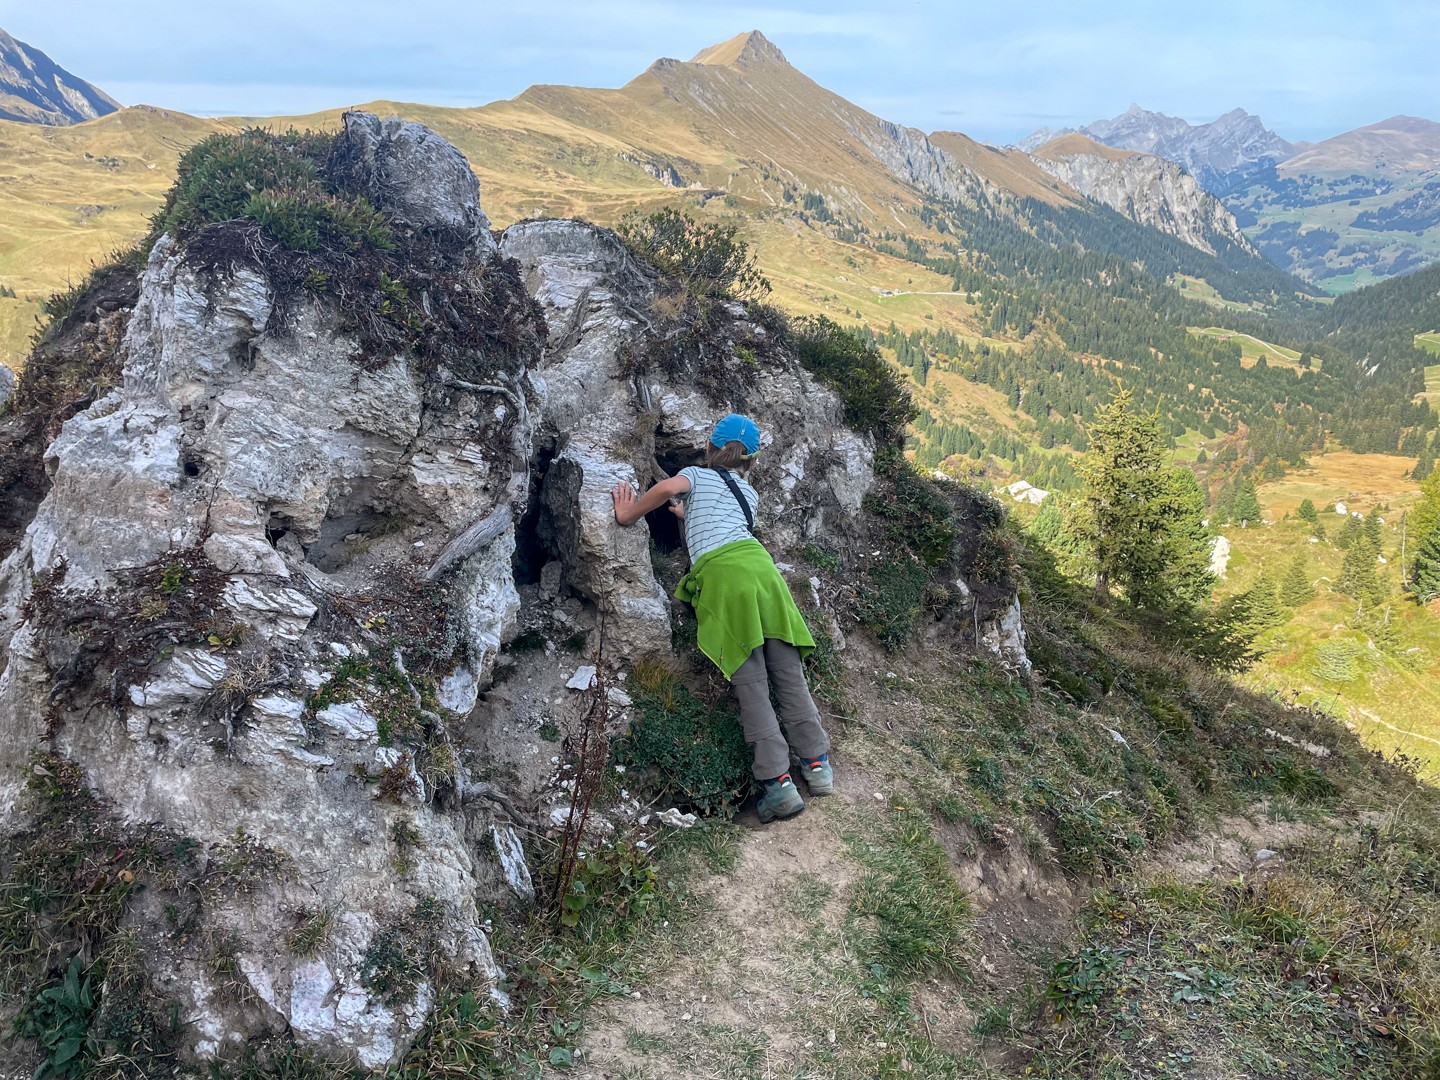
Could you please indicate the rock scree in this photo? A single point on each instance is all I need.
(261, 603)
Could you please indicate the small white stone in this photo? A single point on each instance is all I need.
(583, 679)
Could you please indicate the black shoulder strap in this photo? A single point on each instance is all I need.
(739, 497)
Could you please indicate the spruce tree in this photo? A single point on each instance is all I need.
(1262, 610)
(1295, 588)
(1425, 581)
(1351, 533)
(1357, 572)
(1247, 506)
(1424, 465)
(1141, 520)
(1374, 531)
(1337, 660)
(1425, 517)
(1308, 512)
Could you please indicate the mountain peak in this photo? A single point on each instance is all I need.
(751, 47)
(36, 90)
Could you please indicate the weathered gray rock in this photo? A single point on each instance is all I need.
(418, 177)
(7, 384)
(1002, 633)
(271, 450)
(1219, 556)
(319, 498)
(1150, 190)
(608, 426)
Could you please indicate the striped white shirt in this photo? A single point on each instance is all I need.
(712, 516)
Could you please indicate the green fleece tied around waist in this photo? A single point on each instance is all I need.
(740, 600)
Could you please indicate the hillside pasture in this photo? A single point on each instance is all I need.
(1199, 289)
(1431, 392)
(1360, 481)
(1251, 348)
(1393, 700)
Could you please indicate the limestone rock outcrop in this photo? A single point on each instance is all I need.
(261, 604)
(262, 463)
(1145, 188)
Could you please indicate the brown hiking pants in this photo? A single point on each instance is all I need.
(777, 666)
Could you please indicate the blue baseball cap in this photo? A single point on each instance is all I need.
(737, 428)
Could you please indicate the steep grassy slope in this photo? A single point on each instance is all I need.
(69, 196)
(1390, 692)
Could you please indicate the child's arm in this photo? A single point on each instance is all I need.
(629, 508)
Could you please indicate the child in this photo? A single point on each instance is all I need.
(748, 623)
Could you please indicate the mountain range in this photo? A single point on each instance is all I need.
(36, 90)
(1359, 207)
(829, 193)
(1220, 154)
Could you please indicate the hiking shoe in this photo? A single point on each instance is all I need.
(818, 776)
(779, 799)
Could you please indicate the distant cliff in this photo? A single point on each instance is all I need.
(36, 90)
(1145, 188)
(1222, 155)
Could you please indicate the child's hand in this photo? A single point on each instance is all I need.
(677, 508)
(623, 495)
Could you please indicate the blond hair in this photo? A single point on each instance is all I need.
(730, 456)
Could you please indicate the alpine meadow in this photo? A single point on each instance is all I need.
(376, 703)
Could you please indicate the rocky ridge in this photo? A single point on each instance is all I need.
(267, 580)
(36, 90)
(1145, 188)
(1221, 155)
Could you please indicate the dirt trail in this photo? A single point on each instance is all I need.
(735, 991)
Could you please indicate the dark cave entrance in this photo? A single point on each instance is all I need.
(534, 533)
(667, 532)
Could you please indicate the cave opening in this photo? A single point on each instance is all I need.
(672, 453)
(277, 528)
(534, 533)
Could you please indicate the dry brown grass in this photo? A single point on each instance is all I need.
(1361, 481)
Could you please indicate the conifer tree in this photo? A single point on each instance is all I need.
(1141, 521)
(1424, 464)
(1351, 532)
(1357, 572)
(1295, 588)
(1247, 506)
(1425, 582)
(1337, 660)
(1308, 512)
(1374, 530)
(1262, 610)
(1425, 517)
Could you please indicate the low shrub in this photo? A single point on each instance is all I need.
(875, 396)
(680, 749)
(709, 258)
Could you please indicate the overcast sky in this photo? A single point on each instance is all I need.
(993, 70)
